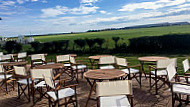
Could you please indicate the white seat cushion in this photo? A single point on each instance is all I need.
(79, 67)
(132, 71)
(50, 63)
(107, 67)
(183, 89)
(43, 84)
(24, 81)
(62, 93)
(67, 65)
(7, 76)
(37, 62)
(114, 101)
(159, 72)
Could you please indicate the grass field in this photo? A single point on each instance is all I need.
(126, 34)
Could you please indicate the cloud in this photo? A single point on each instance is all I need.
(7, 13)
(7, 3)
(103, 12)
(88, 2)
(60, 10)
(151, 5)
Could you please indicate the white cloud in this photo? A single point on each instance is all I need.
(88, 2)
(7, 3)
(151, 5)
(103, 12)
(60, 10)
(7, 13)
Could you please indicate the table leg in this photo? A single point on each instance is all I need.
(91, 90)
(92, 63)
(142, 66)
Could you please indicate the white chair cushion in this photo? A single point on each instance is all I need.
(50, 63)
(37, 62)
(107, 67)
(159, 72)
(114, 101)
(7, 76)
(132, 71)
(62, 93)
(79, 67)
(24, 81)
(183, 89)
(43, 84)
(67, 65)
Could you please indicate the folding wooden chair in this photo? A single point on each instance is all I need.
(78, 66)
(115, 94)
(22, 56)
(57, 92)
(64, 59)
(130, 70)
(6, 79)
(38, 59)
(160, 73)
(23, 80)
(107, 62)
(6, 58)
(177, 88)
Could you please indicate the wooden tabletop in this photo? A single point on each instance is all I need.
(14, 63)
(104, 74)
(151, 58)
(50, 66)
(97, 56)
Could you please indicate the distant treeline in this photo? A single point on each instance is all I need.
(167, 44)
(143, 26)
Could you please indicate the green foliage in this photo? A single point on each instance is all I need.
(116, 39)
(80, 42)
(12, 47)
(91, 43)
(99, 41)
(37, 46)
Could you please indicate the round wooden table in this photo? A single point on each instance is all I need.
(150, 60)
(100, 75)
(50, 66)
(96, 58)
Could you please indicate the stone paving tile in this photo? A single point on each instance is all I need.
(142, 97)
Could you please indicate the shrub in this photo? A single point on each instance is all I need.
(81, 43)
(37, 46)
(99, 41)
(12, 47)
(116, 39)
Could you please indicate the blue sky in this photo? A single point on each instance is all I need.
(21, 17)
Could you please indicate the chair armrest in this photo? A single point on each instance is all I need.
(9, 71)
(57, 76)
(150, 66)
(187, 73)
(134, 66)
(69, 86)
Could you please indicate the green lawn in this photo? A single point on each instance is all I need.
(126, 34)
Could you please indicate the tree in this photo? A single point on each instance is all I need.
(91, 43)
(116, 39)
(37, 46)
(99, 41)
(81, 43)
(12, 47)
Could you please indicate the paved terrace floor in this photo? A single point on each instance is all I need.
(142, 97)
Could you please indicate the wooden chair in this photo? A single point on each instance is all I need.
(6, 79)
(64, 59)
(38, 59)
(78, 66)
(40, 87)
(159, 72)
(177, 88)
(57, 92)
(22, 56)
(6, 58)
(23, 80)
(1, 53)
(115, 94)
(130, 70)
(107, 62)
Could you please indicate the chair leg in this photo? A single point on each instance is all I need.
(156, 85)
(150, 81)
(18, 91)
(140, 76)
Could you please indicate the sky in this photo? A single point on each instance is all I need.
(25, 17)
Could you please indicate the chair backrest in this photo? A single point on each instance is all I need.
(1, 53)
(40, 73)
(111, 88)
(49, 81)
(72, 60)
(121, 62)
(171, 70)
(22, 55)
(38, 57)
(6, 57)
(63, 58)
(1, 69)
(20, 70)
(186, 65)
(164, 63)
(107, 60)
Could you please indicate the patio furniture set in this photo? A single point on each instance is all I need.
(111, 81)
